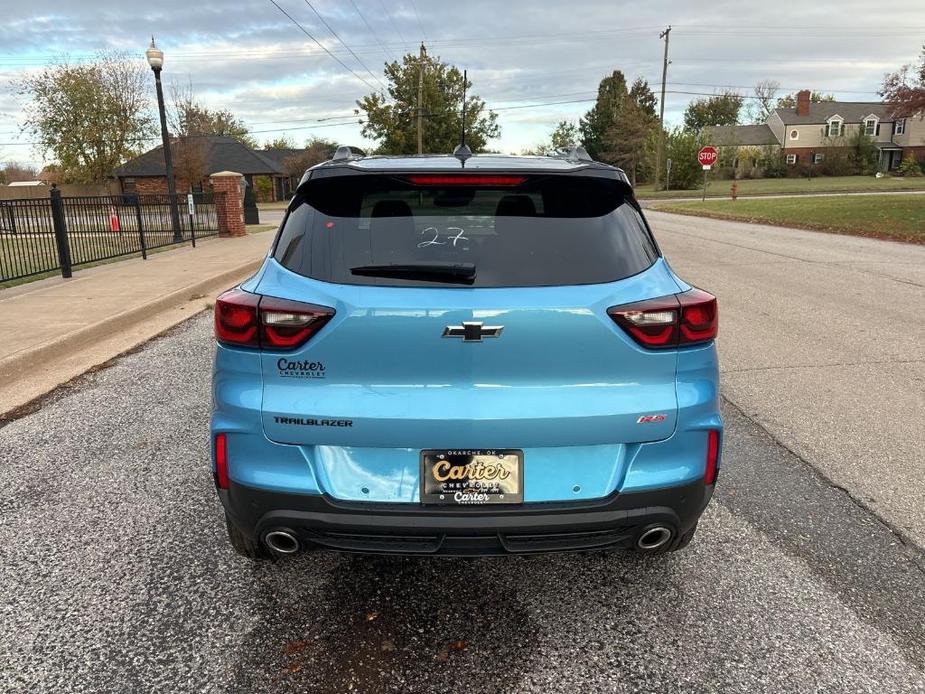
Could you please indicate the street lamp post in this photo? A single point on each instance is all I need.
(155, 58)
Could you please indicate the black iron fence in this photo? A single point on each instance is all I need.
(43, 235)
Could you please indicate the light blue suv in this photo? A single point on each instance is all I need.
(464, 355)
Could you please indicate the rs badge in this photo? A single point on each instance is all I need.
(650, 418)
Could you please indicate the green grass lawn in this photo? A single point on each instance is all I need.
(771, 186)
(898, 217)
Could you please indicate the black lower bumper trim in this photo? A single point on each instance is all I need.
(319, 521)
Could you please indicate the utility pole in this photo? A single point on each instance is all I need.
(421, 99)
(661, 110)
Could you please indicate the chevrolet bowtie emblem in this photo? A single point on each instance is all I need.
(472, 331)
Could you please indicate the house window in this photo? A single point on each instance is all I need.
(835, 128)
(900, 127)
(128, 185)
(791, 158)
(870, 126)
(818, 158)
(794, 134)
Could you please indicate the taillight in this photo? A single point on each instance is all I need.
(709, 475)
(677, 320)
(287, 324)
(236, 318)
(221, 461)
(699, 316)
(652, 323)
(465, 180)
(243, 319)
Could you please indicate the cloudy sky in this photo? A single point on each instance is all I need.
(535, 62)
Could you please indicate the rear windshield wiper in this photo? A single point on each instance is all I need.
(435, 272)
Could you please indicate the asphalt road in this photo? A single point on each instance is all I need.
(115, 575)
(822, 342)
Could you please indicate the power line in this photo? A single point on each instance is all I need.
(303, 30)
(417, 16)
(348, 119)
(341, 41)
(249, 132)
(394, 25)
(372, 31)
(907, 30)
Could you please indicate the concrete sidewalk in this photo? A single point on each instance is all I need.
(56, 329)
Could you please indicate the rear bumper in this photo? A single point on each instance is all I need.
(379, 528)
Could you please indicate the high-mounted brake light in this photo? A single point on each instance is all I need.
(243, 319)
(677, 320)
(221, 461)
(464, 180)
(710, 470)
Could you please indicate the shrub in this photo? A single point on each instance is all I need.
(863, 154)
(263, 188)
(773, 164)
(837, 162)
(910, 167)
(682, 147)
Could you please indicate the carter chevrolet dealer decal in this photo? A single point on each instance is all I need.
(300, 369)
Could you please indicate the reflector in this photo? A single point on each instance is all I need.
(709, 476)
(221, 461)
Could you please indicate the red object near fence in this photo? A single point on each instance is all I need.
(113, 219)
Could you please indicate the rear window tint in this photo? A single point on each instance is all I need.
(547, 230)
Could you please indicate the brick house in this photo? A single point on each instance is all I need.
(147, 174)
(808, 131)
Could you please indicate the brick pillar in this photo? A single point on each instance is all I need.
(229, 202)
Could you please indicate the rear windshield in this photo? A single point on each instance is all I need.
(511, 231)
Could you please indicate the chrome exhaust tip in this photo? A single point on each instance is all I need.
(654, 538)
(282, 541)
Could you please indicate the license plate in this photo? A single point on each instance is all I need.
(472, 476)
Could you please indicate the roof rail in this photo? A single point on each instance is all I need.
(573, 153)
(346, 152)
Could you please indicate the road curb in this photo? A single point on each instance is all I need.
(41, 356)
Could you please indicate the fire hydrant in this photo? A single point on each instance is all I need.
(734, 191)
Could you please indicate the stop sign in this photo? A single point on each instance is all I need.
(707, 156)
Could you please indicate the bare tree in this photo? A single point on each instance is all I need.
(316, 151)
(14, 171)
(190, 118)
(190, 150)
(190, 159)
(765, 102)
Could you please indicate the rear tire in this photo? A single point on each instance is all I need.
(245, 546)
(685, 539)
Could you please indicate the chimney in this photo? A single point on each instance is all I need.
(803, 102)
